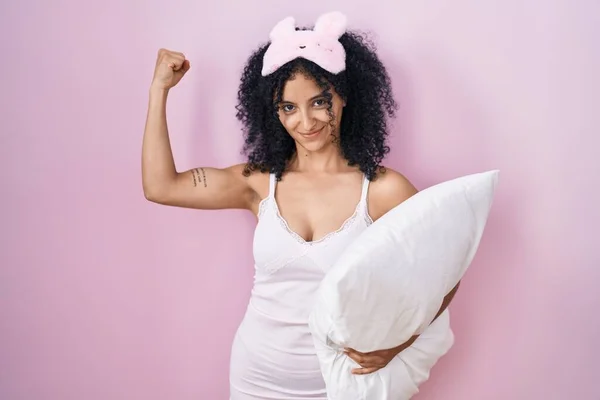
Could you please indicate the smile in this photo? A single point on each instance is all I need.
(312, 134)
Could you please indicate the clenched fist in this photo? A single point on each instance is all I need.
(171, 66)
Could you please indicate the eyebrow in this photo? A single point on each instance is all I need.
(322, 94)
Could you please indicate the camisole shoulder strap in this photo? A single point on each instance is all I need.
(272, 183)
(364, 204)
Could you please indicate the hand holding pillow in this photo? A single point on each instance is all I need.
(390, 283)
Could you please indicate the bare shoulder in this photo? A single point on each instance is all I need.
(389, 189)
(259, 181)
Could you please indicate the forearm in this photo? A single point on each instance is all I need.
(447, 300)
(158, 166)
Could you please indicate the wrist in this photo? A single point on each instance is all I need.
(406, 344)
(157, 91)
(158, 98)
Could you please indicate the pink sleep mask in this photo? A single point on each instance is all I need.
(320, 45)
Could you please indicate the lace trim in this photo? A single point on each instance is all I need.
(366, 214)
(262, 207)
(348, 222)
(368, 219)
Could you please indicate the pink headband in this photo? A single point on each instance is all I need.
(320, 45)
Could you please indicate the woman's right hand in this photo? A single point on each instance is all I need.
(200, 188)
(170, 67)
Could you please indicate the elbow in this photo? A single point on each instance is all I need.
(157, 189)
(152, 194)
(150, 197)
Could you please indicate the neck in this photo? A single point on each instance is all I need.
(327, 159)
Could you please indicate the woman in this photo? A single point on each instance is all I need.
(314, 105)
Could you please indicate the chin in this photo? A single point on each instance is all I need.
(313, 147)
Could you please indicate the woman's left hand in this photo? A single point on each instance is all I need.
(375, 360)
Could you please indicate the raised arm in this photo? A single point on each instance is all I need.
(203, 187)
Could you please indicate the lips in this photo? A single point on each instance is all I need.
(311, 134)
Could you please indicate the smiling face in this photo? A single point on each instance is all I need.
(304, 113)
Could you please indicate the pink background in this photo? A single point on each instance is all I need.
(106, 296)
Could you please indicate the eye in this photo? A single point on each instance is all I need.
(320, 102)
(287, 108)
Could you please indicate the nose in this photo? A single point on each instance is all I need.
(308, 121)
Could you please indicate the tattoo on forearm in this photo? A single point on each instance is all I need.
(199, 176)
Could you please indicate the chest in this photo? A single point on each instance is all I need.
(314, 210)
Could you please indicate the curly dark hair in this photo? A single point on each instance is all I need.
(364, 85)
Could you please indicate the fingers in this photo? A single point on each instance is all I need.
(366, 360)
(368, 364)
(358, 357)
(174, 59)
(365, 371)
(186, 66)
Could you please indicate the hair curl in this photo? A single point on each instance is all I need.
(364, 85)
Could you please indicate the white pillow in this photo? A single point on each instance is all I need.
(389, 284)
